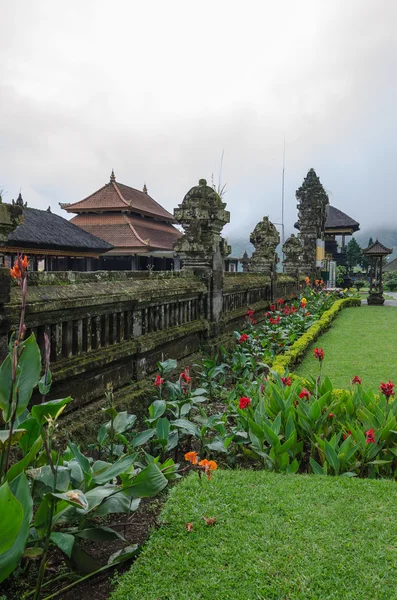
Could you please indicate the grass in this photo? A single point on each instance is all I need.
(360, 342)
(277, 537)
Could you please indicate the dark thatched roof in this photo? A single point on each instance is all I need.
(43, 229)
(377, 249)
(336, 219)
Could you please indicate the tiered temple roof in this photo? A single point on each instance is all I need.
(127, 218)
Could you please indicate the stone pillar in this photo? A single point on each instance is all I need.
(265, 238)
(312, 214)
(292, 251)
(10, 217)
(264, 259)
(245, 261)
(202, 215)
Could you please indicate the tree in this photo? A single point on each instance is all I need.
(365, 260)
(353, 254)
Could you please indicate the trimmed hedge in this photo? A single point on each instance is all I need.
(294, 355)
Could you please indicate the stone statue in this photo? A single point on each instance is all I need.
(292, 251)
(265, 238)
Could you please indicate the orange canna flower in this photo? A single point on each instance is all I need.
(25, 262)
(15, 272)
(212, 465)
(204, 463)
(191, 457)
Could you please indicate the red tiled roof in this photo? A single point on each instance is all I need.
(124, 231)
(116, 196)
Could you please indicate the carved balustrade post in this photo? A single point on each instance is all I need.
(202, 250)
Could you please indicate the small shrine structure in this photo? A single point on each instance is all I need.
(376, 253)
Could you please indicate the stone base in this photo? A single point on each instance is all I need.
(375, 299)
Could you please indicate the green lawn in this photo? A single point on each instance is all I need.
(362, 341)
(277, 537)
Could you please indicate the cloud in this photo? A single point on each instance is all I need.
(158, 90)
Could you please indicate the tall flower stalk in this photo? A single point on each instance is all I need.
(18, 272)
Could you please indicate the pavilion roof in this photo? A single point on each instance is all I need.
(118, 197)
(128, 233)
(337, 219)
(377, 249)
(46, 230)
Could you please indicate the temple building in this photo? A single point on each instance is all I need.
(141, 231)
(338, 224)
(51, 242)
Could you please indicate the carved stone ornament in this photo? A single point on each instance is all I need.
(292, 251)
(265, 238)
(202, 215)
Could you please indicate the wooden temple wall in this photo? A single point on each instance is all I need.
(108, 327)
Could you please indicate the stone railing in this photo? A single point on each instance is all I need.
(115, 326)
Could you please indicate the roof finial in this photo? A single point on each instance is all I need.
(19, 201)
(112, 177)
(144, 188)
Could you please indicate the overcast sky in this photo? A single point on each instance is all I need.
(158, 89)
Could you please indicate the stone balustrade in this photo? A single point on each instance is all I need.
(115, 326)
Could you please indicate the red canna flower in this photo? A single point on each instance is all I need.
(244, 402)
(158, 381)
(281, 301)
(331, 416)
(243, 338)
(286, 381)
(253, 322)
(319, 354)
(266, 314)
(272, 307)
(387, 389)
(356, 379)
(370, 439)
(346, 435)
(304, 394)
(250, 313)
(185, 375)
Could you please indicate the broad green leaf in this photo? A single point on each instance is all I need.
(124, 554)
(187, 426)
(64, 541)
(143, 437)
(271, 437)
(21, 465)
(163, 428)
(156, 410)
(45, 384)
(120, 466)
(74, 497)
(173, 440)
(15, 515)
(45, 480)
(83, 462)
(123, 422)
(5, 434)
(48, 409)
(257, 431)
(332, 456)
(102, 435)
(119, 503)
(28, 375)
(32, 433)
(99, 534)
(217, 445)
(147, 483)
(317, 469)
(289, 443)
